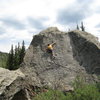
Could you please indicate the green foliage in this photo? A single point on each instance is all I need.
(10, 62)
(88, 92)
(84, 91)
(22, 53)
(98, 86)
(51, 95)
(16, 56)
(3, 59)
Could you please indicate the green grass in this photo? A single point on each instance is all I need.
(3, 59)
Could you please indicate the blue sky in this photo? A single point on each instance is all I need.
(21, 19)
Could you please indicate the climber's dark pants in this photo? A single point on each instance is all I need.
(50, 51)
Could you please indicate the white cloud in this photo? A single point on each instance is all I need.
(91, 23)
(44, 11)
(36, 8)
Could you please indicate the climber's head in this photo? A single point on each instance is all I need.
(48, 44)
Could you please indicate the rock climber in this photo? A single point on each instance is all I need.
(50, 48)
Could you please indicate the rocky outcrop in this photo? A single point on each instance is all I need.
(76, 53)
(12, 83)
(86, 50)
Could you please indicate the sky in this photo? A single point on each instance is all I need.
(22, 19)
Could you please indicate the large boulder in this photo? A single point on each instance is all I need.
(77, 53)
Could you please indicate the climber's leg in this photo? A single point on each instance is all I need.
(50, 52)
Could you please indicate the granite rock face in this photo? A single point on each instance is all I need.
(86, 51)
(76, 53)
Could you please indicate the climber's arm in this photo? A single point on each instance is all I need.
(53, 44)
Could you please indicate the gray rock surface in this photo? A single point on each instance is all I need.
(76, 53)
(11, 82)
(86, 50)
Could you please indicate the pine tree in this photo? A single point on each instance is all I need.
(18, 46)
(77, 27)
(82, 27)
(22, 52)
(10, 62)
(12, 58)
(16, 58)
(18, 53)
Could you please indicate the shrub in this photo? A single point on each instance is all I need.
(51, 95)
(98, 86)
(88, 92)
